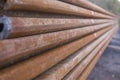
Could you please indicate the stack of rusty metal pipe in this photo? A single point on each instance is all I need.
(64, 44)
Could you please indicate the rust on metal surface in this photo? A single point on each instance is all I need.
(14, 27)
(60, 70)
(89, 5)
(53, 39)
(75, 72)
(46, 60)
(86, 72)
(24, 47)
(52, 6)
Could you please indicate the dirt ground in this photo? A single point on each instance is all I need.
(108, 67)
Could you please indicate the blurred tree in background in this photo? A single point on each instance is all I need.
(110, 5)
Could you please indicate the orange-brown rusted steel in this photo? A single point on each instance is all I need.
(64, 67)
(89, 68)
(86, 72)
(52, 6)
(87, 4)
(27, 46)
(75, 72)
(31, 68)
(57, 47)
(13, 27)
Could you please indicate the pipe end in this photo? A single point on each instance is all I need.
(5, 27)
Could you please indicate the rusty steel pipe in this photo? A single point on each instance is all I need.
(13, 27)
(86, 72)
(50, 58)
(27, 46)
(52, 6)
(89, 5)
(61, 69)
(75, 72)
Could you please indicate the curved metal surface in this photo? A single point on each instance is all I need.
(52, 6)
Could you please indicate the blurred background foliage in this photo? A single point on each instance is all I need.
(110, 5)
